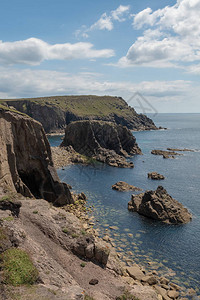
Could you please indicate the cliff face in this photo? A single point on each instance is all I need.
(104, 141)
(55, 112)
(25, 160)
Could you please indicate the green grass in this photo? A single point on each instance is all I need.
(83, 265)
(65, 230)
(17, 267)
(86, 105)
(35, 212)
(127, 296)
(10, 218)
(5, 198)
(87, 297)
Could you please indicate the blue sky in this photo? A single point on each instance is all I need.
(110, 47)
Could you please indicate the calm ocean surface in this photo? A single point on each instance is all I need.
(172, 250)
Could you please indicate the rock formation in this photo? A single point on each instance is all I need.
(155, 176)
(103, 141)
(164, 153)
(25, 160)
(122, 186)
(55, 112)
(159, 205)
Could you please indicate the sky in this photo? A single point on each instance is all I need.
(147, 52)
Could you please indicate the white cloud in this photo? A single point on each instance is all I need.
(33, 51)
(106, 21)
(174, 37)
(32, 83)
(119, 13)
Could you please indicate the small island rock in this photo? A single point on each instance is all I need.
(122, 186)
(159, 205)
(155, 176)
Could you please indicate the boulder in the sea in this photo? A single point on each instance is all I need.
(159, 205)
(155, 176)
(122, 186)
(104, 141)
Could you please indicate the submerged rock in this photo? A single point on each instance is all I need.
(155, 176)
(122, 186)
(104, 141)
(159, 205)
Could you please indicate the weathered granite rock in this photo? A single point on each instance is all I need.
(122, 186)
(155, 176)
(173, 294)
(178, 149)
(26, 164)
(159, 205)
(165, 154)
(104, 141)
(135, 272)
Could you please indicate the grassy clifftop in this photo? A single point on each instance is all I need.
(80, 105)
(57, 111)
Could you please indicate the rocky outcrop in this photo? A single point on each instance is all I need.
(159, 205)
(104, 141)
(156, 176)
(55, 112)
(164, 153)
(122, 186)
(26, 164)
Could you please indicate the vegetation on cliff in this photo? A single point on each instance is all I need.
(57, 111)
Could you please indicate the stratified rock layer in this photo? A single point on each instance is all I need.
(104, 141)
(25, 160)
(159, 205)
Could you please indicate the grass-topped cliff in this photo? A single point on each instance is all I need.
(57, 111)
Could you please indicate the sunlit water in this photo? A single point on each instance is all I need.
(172, 250)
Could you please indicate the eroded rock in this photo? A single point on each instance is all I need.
(155, 176)
(159, 205)
(26, 164)
(122, 186)
(104, 141)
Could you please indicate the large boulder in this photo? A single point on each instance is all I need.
(159, 205)
(26, 164)
(104, 141)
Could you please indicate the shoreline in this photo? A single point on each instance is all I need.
(128, 261)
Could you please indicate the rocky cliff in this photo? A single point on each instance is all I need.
(25, 159)
(55, 112)
(103, 141)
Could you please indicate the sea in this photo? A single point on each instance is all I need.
(171, 250)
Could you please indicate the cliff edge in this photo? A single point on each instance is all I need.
(55, 112)
(26, 164)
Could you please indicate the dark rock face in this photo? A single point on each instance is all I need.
(25, 160)
(104, 141)
(13, 206)
(122, 186)
(156, 176)
(159, 205)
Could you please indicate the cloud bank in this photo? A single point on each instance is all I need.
(33, 51)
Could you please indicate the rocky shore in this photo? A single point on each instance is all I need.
(47, 227)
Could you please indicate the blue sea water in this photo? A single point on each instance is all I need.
(170, 249)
